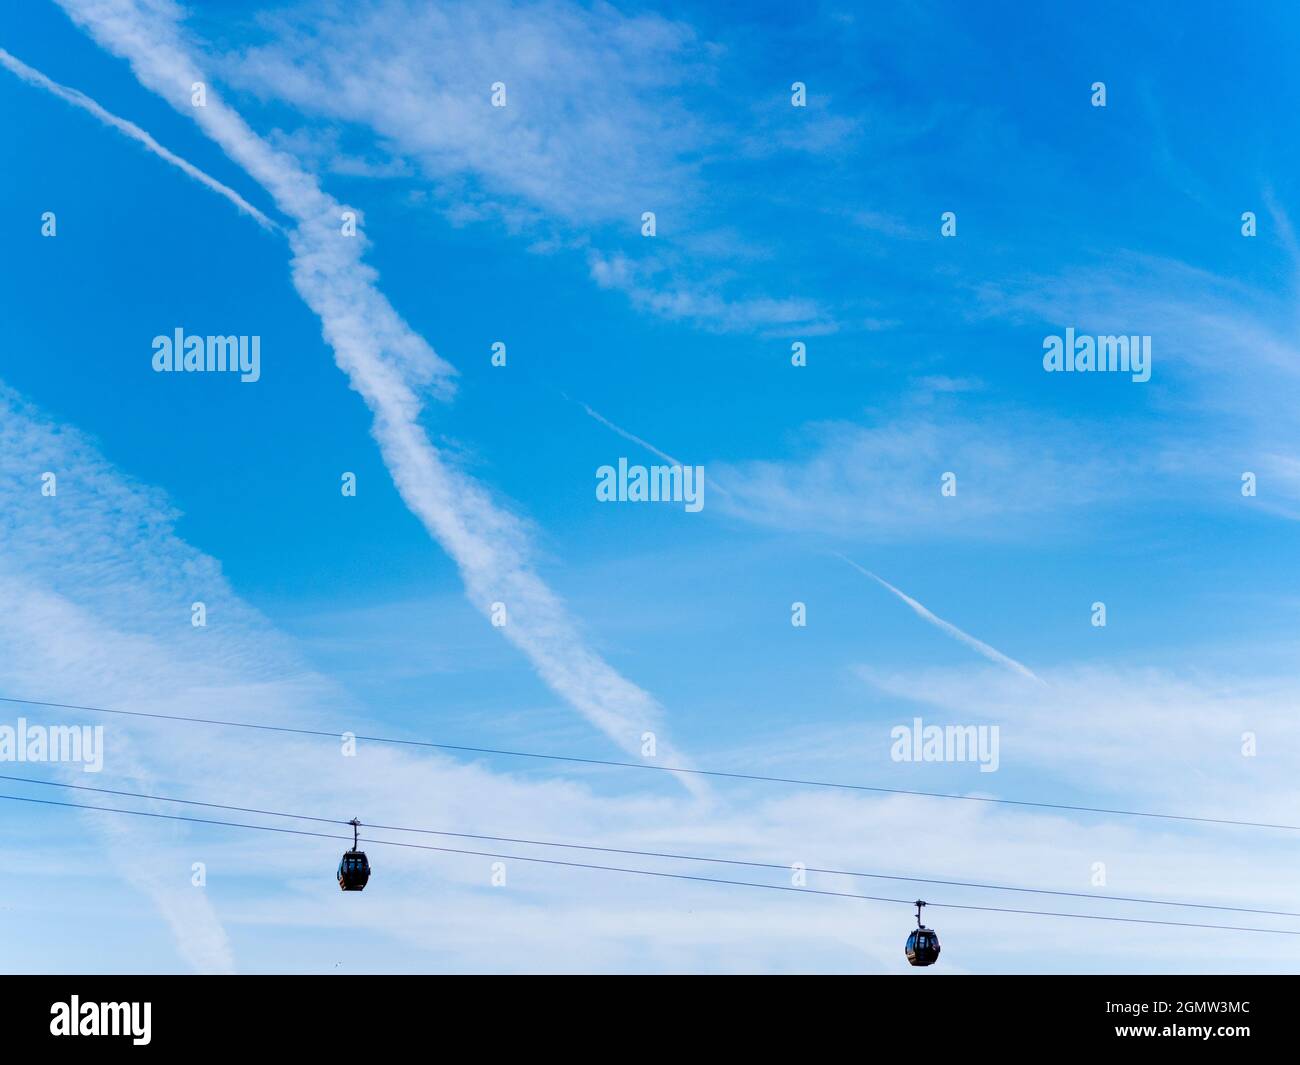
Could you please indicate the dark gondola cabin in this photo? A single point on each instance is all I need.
(354, 869)
(923, 944)
(922, 947)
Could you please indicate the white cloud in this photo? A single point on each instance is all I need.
(601, 124)
(593, 128)
(1224, 360)
(1226, 370)
(1168, 741)
(96, 590)
(882, 480)
(652, 286)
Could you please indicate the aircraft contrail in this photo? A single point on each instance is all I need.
(991, 653)
(392, 367)
(637, 440)
(80, 99)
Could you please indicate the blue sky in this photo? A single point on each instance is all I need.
(775, 224)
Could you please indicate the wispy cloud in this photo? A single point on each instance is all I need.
(388, 364)
(1166, 738)
(881, 479)
(95, 587)
(652, 287)
(600, 122)
(594, 127)
(76, 621)
(1224, 354)
(991, 653)
(79, 99)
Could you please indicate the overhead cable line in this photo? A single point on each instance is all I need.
(657, 873)
(612, 763)
(659, 854)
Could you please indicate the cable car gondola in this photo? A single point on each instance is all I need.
(923, 944)
(354, 869)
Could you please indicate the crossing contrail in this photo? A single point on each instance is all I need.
(80, 99)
